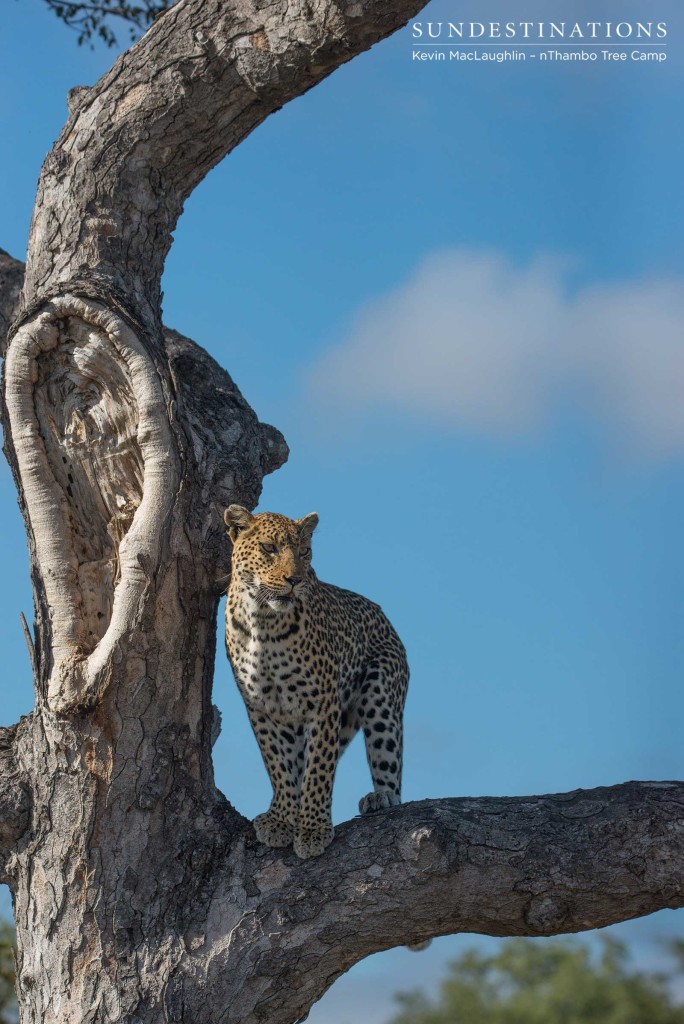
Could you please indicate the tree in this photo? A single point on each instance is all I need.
(140, 894)
(7, 1000)
(561, 982)
(95, 19)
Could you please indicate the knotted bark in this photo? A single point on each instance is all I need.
(15, 800)
(140, 894)
(125, 455)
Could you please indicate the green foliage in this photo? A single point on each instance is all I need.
(8, 1004)
(550, 982)
(93, 19)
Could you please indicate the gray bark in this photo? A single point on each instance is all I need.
(15, 800)
(140, 894)
(11, 280)
(137, 143)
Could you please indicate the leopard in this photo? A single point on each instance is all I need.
(315, 664)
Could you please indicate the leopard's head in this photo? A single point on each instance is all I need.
(271, 555)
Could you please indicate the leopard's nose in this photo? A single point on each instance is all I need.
(293, 580)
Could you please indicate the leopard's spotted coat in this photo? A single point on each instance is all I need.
(314, 664)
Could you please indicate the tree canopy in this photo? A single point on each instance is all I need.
(95, 19)
(554, 982)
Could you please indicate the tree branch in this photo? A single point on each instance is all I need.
(540, 865)
(15, 798)
(266, 934)
(139, 141)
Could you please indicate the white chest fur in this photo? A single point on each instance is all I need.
(265, 665)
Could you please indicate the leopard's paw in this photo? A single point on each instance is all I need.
(312, 840)
(378, 802)
(272, 830)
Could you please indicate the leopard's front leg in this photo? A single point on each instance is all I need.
(314, 827)
(281, 746)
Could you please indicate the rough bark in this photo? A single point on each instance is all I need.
(11, 280)
(140, 894)
(123, 474)
(518, 866)
(15, 800)
(136, 863)
(139, 141)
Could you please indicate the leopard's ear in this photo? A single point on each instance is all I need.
(307, 525)
(237, 519)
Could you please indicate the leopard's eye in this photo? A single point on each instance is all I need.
(306, 552)
(268, 549)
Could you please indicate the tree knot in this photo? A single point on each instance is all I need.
(545, 914)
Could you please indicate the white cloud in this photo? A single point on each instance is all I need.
(476, 343)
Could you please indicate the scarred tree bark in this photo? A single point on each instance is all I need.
(140, 894)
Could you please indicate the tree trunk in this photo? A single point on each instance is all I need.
(140, 894)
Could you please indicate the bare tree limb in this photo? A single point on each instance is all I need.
(140, 140)
(539, 865)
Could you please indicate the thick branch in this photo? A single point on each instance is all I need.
(137, 143)
(15, 799)
(537, 865)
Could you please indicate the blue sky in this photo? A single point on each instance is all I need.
(490, 256)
